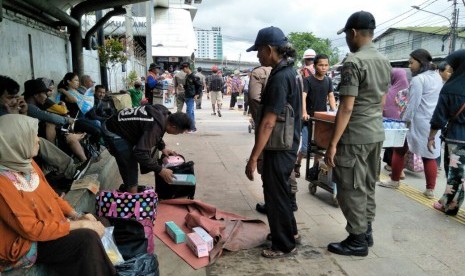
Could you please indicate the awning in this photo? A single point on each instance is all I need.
(173, 33)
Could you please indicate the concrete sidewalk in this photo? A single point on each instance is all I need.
(411, 238)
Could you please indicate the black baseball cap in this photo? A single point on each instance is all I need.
(185, 64)
(269, 36)
(359, 21)
(154, 66)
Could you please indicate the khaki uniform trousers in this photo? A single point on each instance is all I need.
(355, 174)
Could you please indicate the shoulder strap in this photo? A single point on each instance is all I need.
(458, 112)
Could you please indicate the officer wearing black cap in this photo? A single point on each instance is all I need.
(356, 143)
(282, 87)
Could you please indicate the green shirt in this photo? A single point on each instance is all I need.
(366, 75)
(136, 96)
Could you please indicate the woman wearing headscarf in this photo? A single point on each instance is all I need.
(423, 96)
(451, 100)
(393, 108)
(36, 225)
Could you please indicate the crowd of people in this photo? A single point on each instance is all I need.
(50, 134)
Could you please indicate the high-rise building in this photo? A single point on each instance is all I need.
(209, 43)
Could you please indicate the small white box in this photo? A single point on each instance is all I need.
(197, 245)
(394, 138)
(205, 236)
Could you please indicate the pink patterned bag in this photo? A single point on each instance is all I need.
(413, 162)
(141, 207)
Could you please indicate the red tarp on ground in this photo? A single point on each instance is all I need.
(230, 231)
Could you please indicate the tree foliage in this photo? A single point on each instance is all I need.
(303, 41)
(112, 52)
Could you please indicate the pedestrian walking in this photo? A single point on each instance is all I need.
(201, 76)
(192, 90)
(450, 111)
(422, 99)
(236, 88)
(214, 90)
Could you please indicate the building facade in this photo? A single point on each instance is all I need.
(209, 43)
(397, 43)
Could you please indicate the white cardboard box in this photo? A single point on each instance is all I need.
(394, 137)
(205, 236)
(197, 245)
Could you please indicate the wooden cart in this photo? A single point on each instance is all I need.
(320, 129)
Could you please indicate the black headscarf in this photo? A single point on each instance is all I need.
(456, 82)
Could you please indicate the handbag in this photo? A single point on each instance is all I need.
(445, 129)
(282, 136)
(413, 162)
(139, 206)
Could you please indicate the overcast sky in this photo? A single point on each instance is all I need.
(240, 20)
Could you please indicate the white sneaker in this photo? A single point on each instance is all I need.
(429, 193)
(390, 184)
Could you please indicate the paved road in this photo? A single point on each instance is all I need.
(411, 238)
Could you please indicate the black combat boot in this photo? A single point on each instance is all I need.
(294, 202)
(261, 208)
(355, 245)
(369, 235)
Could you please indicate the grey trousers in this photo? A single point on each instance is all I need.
(180, 100)
(355, 174)
(55, 159)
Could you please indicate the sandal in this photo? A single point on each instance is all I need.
(274, 254)
(297, 170)
(297, 238)
(438, 206)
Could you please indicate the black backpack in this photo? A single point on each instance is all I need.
(216, 83)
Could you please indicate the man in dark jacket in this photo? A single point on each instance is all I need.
(192, 90)
(133, 133)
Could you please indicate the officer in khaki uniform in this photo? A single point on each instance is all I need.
(356, 143)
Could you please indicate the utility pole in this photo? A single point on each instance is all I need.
(454, 27)
(239, 61)
(148, 35)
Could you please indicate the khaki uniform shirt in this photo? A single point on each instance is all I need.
(257, 83)
(179, 81)
(365, 75)
(202, 79)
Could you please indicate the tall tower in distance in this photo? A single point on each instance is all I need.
(209, 43)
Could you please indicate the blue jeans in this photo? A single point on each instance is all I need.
(190, 111)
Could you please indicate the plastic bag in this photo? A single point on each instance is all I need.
(110, 247)
(143, 264)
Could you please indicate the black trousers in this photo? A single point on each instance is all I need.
(79, 253)
(246, 101)
(234, 96)
(277, 168)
